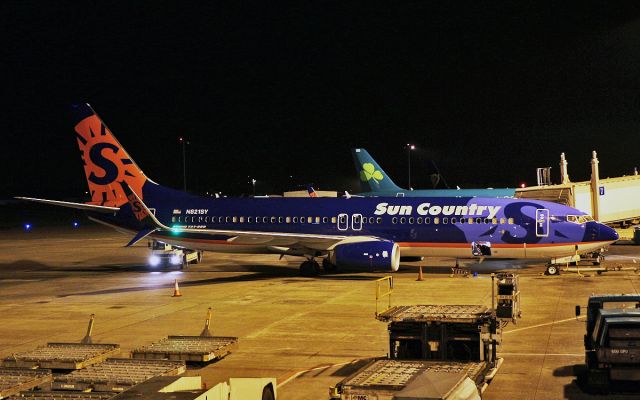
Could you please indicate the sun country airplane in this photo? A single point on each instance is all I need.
(375, 182)
(356, 233)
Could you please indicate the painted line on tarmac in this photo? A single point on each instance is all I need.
(293, 375)
(543, 354)
(545, 324)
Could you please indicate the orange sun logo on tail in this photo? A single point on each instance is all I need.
(106, 163)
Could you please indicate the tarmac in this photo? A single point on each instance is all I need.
(309, 333)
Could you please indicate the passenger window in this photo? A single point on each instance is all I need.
(445, 220)
(250, 220)
(242, 220)
(502, 220)
(411, 220)
(478, 220)
(378, 220)
(279, 220)
(372, 220)
(325, 220)
(273, 220)
(235, 219)
(463, 220)
(317, 220)
(310, 220)
(419, 220)
(333, 220)
(199, 219)
(510, 221)
(295, 220)
(288, 220)
(394, 220)
(453, 220)
(173, 219)
(494, 220)
(427, 220)
(302, 220)
(227, 219)
(436, 220)
(403, 220)
(206, 219)
(265, 220)
(486, 220)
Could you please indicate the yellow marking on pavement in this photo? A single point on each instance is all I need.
(545, 324)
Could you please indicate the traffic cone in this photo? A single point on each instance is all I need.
(176, 290)
(420, 277)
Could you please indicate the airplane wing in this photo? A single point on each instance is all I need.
(68, 204)
(284, 239)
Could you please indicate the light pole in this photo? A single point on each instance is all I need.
(409, 148)
(253, 181)
(184, 143)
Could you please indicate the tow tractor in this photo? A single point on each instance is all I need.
(573, 263)
(163, 254)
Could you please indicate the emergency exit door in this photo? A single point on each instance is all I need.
(542, 222)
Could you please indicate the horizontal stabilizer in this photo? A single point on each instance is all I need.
(141, 235)
(68, 204)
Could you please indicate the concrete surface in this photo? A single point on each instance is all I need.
(309, 333)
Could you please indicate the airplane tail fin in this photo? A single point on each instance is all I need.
(311, 191)
(106, 162)
(372, 176)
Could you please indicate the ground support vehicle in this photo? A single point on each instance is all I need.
(612, 342)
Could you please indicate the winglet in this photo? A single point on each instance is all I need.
(372, 176)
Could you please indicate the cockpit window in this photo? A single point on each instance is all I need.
(579, 219)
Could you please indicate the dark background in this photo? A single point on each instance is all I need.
(488, 90)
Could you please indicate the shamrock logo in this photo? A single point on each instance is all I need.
(369, 172)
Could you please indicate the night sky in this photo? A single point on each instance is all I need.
(488, 91)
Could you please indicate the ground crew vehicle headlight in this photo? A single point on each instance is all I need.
(175, 259)
(154, 261)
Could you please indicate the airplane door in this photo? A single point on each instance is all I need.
(542, 222)
(343, 222)
(356, 222)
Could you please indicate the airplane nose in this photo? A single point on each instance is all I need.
(607, 234)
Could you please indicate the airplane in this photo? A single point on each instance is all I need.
(375, 182)
(361, 233)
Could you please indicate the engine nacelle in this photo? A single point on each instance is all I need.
(374, 254)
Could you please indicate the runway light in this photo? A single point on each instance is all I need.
(27, 226)
(175, 259)
(154, 260)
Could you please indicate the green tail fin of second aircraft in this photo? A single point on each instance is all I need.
(372, 177)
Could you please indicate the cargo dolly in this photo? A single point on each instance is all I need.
(435, 352)
(15, 380)
(64, 356)
(203, 348)
(116, 374)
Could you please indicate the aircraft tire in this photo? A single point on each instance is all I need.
(309, 268)
(552, 270)
(200, 255)
(328, 266)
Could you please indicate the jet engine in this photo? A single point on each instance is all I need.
(369, 255)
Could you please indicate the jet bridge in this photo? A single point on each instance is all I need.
(613, 201)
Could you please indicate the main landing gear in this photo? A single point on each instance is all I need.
(310, 267)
